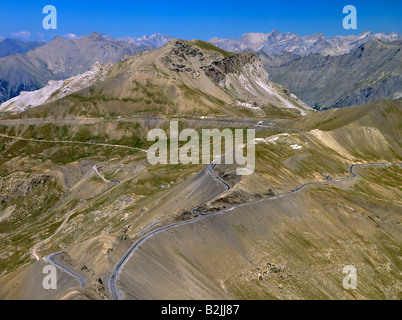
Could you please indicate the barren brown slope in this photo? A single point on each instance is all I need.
(313, 233)
(106, 221)
(299, 246)
(294, 246)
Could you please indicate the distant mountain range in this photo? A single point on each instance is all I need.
(371, 72)
(156, 40)
(62, 58)
(328, 72)
(323, 72)
(276, 42)
(10, 46)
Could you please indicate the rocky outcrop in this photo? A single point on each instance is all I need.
(218, 70)
(3, 198)
(23, 187)
(185, 215)
(241, 75)
(177, 58)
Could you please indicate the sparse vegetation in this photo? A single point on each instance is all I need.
(210, 47)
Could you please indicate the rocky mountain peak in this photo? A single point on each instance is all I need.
(156, 40)
(58, 39)
(94, 36)
(276, 42)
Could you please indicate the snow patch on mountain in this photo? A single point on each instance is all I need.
(155, 41)
(285, 103)
(276, 42)
(30, 98)
(56, 89)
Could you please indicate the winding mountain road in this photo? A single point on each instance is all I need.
(115, 292)
(36, 246)
(74, 142)
(51, 258)
(65, 220)
(112, 283)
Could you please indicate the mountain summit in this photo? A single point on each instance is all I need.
(156, 40)
(276, 42)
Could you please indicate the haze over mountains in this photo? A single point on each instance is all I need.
(10, 46)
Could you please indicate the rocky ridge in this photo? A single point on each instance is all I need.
(276, 42)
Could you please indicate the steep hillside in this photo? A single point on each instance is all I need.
(56, 89)
(257, 240)
(292, 245)
(369, 73)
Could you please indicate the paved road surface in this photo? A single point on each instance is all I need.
(51, 258)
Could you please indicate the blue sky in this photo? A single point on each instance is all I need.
(195, 19)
